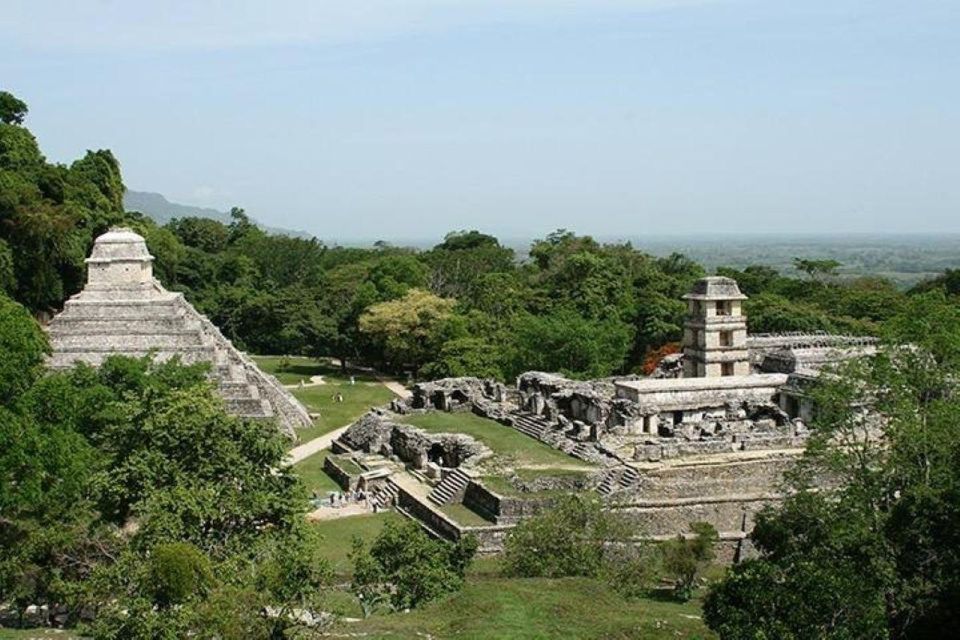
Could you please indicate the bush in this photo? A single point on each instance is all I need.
(177, 572)
(685, 558)
(568, 540)
(405, 568)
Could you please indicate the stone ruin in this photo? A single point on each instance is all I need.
(124, 310)
(375, 432)
(707, 437)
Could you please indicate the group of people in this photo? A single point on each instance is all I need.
(338, 499)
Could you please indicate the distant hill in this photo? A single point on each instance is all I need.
(163, 211)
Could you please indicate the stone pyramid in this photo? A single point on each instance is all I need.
(124, 310)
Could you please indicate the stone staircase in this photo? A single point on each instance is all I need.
(531, 425)
(384, 496)
(450, 488)
(618, 479)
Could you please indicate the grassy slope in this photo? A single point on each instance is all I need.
(572, 608)
(338, 535)
(506, 443)
(465, 515)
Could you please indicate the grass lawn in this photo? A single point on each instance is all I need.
(501, 485)
(338, 535)
(299, 368)
(357, 400)
(507, 443)
(493, 608)
(313, 476)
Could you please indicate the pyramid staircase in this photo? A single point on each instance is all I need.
(450, 488)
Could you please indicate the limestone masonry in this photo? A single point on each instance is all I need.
(123, 310)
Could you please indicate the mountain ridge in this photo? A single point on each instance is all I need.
(156, 206)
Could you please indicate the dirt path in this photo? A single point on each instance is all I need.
(316, 445)
(315, 381)
(320, 443)
(332, 513)
(397, 388)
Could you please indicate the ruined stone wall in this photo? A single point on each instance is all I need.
(374, 432)
(343, 478)
(727, 494)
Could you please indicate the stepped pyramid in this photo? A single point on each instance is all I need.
(124, 310)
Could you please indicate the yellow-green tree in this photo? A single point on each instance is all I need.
(407, 332)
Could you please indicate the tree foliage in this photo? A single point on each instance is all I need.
(874, 555)
(405, 568)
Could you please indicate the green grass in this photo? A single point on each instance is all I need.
(299, 368)
(490, 608)
(357, 398)
(508, 444)
(348, 465)
(338, 535)
(465, 516)
(314, 477)
(502, 485)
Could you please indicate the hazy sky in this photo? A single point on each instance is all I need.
(409, 118)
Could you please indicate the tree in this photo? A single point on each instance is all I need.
(465, 357)
(816, 269)
(177, 572)
(12, 109)
(685, 558)
(876, 553)
(569, 539)
(407, 331)
(210, 236)
(462, 259)
(23, 345)
(567, 343)
(409, 566)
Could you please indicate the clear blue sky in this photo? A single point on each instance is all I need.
(408, 118)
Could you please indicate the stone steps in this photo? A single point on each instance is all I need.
(530, 425)
(249, 407)
(122, 324)
(95, 355)
(127, 341)
(449, 488)
(384, 496)
(618, 479)
(112, 309)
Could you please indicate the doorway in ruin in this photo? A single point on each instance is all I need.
(436, 455)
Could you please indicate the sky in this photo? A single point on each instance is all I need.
(406, 119)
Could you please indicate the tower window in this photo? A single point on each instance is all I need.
(726, 338)
(726, 368)
(721, 307)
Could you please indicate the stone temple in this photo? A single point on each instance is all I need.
(124, 310)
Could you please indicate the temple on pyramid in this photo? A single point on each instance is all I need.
(124, 310)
